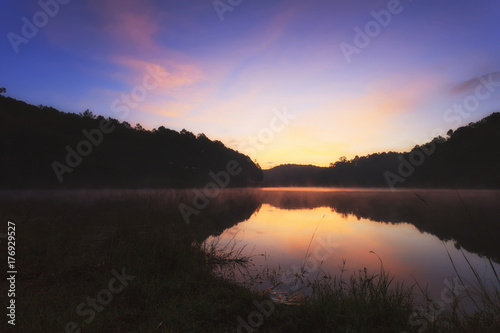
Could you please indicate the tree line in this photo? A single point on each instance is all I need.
(468, 157)
(38, 143)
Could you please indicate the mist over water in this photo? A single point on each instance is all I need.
(413, 232)
(418, 235)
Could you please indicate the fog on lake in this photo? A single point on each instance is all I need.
(418, 235)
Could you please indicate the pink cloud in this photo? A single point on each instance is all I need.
(126, 23)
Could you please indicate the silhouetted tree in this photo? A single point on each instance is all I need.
(87, 114)
(202, 137)
(470, 157)
(126, 157)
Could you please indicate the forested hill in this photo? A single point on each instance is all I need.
(467, 158)
(41, 147)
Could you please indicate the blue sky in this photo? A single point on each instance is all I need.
(229, 78)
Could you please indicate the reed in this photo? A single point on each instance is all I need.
(69, 243)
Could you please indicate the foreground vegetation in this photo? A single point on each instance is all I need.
(71, 245)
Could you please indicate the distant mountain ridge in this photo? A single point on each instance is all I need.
(41, 147)
(468, 158)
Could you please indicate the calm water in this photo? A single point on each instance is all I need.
(413, 232)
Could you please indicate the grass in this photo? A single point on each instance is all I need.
(68, 244)
(363, 303)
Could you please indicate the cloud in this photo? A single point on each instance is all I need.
(128, 24)
(469, 85)
(179, 74)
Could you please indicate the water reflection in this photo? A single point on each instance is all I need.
(413, 231)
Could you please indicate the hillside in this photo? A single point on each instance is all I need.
(293, 175)
(41, 147)
(468, 158)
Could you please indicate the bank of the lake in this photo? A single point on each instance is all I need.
(126, 261)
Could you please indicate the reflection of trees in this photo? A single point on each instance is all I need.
(229, 208)
(471, 221)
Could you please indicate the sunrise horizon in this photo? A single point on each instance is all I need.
(250, 166)
(255, 146)
(356, 78)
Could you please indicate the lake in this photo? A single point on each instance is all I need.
(418, 235)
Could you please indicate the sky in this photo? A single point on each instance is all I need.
(283, 81)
